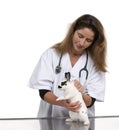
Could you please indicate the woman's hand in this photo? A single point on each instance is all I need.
(72, 106)
(78, 86)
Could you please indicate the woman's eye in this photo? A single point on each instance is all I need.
(79, 35)
(88, 40)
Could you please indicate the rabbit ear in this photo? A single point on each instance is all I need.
(67, 76)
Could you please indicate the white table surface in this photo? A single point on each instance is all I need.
(100, 123)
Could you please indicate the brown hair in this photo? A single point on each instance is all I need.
(97, 49)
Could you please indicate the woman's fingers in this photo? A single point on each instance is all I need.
(73, 106)
(78, 85)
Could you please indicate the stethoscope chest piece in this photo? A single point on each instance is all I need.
(58, 69)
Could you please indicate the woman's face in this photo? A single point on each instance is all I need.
(82, 39)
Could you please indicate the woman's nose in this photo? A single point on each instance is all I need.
(82, 41)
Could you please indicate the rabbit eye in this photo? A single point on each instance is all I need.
(64, 83)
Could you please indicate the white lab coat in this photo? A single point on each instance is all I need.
(44, 77)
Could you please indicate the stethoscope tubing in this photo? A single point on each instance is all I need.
(58, 67)
(85, 67)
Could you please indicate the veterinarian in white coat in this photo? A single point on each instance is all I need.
(84, 44)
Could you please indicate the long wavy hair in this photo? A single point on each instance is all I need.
(97, 49)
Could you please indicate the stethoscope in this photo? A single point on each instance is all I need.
(58, 67)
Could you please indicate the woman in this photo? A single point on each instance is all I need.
(84, 44)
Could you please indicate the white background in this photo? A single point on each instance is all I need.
(27, 28)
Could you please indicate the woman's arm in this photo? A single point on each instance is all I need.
(51, 98)
(89, 101)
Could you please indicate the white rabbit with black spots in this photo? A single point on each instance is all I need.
(71, 92)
